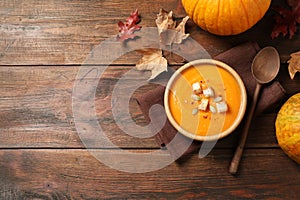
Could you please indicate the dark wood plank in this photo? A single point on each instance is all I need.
(75, 174)
(64, 32)
(38, 112)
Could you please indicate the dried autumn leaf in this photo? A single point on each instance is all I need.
(152, 60)
(286, 20)
(127, 29)
(293, 3)
(294, 64)
(167, 30)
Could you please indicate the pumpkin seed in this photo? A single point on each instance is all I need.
(212, 109)
(195, 97)
(218, 99)
(195, 111)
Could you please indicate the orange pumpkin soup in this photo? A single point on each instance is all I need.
(185, 98)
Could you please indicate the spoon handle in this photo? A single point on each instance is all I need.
(233, 168)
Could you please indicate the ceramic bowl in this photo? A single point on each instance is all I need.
(182, 108)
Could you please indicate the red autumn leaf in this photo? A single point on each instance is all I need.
(286, 19)
(127, 29)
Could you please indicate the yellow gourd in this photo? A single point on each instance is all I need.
(226, 17)
(288, 127)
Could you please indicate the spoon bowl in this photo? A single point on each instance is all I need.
(265, 65)
(264, 68)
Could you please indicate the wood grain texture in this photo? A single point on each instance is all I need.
(61, 32)
(64, 32)
(75, 174)
(36, 108)
(42, 47)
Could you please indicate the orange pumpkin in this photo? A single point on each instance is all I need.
(226, 17)
(288, 127)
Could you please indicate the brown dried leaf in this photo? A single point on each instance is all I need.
(152, 60)
(164, 21)
(294, 64)
(167, 30)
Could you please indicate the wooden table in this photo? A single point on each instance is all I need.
(42, 47)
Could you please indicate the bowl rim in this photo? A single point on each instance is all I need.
(241, 112)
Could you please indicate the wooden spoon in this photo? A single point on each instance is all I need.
(265, 68)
